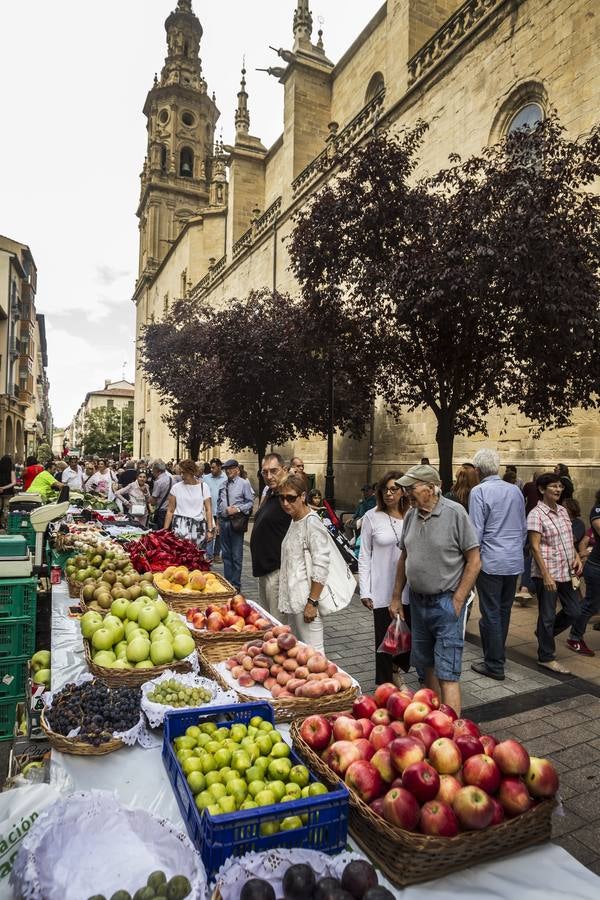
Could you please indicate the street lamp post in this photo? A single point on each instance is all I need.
(329, 474)
(141, 426)
(121, 436)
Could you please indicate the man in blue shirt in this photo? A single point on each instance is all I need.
(497, 511)
(235, 496)
(214, 483)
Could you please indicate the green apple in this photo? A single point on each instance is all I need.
(249, 804)
(130, 627)
(214, 778)
(263, 742)
(197, 782)
(212, 746)
(240, 761)
(255, 721)
(278, 788)
(300, 775)
(119, 607)
(227, 804)
(265, 798)
(161, 607)
(183, 742)
(217, 790)
(138, 649)
(133, 610)
(237, 732)
(266, 726)
(290, 822)
(139, 632)
(161, 652)
(222, 757)
(208, 763)
(121, 663)
(268, 828)
(121, 647)
(104, 658)
(102, 639)
(208, 727)
(148, 617)
(90, 622)
(255, 787)
(293, 790)
(305, 791)
(116, 625)
(193, 731)
(191, 764)
(160, 633)
(279, 769)
(238, 789)
(145, 664)
(183, 645)
(317, 788)
(280, 750)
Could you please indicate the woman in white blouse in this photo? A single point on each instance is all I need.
(189, 508)
(379, 553)
(305, 558)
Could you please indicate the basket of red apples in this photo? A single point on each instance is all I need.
(230, 623)
(429, 793)
(293, 676)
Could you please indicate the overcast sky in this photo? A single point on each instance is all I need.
(75, 74)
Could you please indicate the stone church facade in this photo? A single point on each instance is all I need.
(214, 220)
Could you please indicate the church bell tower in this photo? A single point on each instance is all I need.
(176, 178)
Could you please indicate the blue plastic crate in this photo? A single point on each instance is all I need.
(219, 837)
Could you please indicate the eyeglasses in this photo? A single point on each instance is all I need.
(288, 498)
(265, 472)
(392, 490)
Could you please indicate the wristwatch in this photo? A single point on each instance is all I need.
(314, 602)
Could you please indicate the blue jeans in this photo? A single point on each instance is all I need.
(526, 579)
(496, 596)
(591, 602)
(232, 551)
(213, 548)
(550, 623)
(438, 635)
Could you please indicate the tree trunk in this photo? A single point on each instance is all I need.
(445, 441)
(194, 447)
(261, 449)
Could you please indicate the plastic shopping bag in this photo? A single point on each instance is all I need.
(19, 809)
(397, 638)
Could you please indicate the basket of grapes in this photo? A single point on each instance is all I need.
(174, 690)
(87, 718)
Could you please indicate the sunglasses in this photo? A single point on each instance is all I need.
(288, 498)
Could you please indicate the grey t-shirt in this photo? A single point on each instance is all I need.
(435, 547)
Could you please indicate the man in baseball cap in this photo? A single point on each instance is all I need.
(422, 473)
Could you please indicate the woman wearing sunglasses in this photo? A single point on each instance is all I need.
(304, 562)
(377, 564)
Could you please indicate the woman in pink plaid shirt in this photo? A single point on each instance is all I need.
(555, 564)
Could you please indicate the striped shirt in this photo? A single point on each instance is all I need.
(556, 545)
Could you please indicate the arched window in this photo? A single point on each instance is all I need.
(376, 86)
(528, 116)
(163, 159)
(525, 106)
(186, 162)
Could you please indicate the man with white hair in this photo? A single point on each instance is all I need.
(497, 510)
(439, 558)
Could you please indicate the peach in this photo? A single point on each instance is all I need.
(317, 676)
(259, 675)
(271, 648)
(262, 624)
(331, 686)
(279, 658)
(231, 663)
(301, 672)
(344, 681)
(262, 661)
(312, 690)
(268, 635)
(249, 628)
(302, 656)
(331, 669)
(248, 663)
(246, 681)
(283, 677)
(276, 690)
(290, 665)
(281, 629)
(317, 663)
(253, 651)
(237, 671)
(275, 670)
(294, 683)
(293, 652)
(269, 682)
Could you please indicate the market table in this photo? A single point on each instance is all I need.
(138, 778)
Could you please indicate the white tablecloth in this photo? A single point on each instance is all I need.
(139, 779)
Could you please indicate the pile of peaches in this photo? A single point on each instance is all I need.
(235, 616)
(286, 667)
(421, 768)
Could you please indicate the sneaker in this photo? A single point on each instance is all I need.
(482, 669)
(554, 666)
(580, 647)
(524, 594)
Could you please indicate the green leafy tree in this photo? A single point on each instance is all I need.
(102, 431)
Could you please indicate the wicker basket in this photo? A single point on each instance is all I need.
(286, 710)
(182, 602)
(130, 677)
(75, 747)
(91, 607)
(232, 639)
(406, 857)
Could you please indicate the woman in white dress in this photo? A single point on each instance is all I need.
(379, 553)
(306, 538)
(189, 508)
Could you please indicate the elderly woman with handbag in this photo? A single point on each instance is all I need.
(135, 498)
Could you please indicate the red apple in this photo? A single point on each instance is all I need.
(366, 748)
(365, 780)
(382, 760)
(449, 787)
(441, 722)
(400, 808)
(377, 806)
(230, 617)
(482, 772)
(363, 707)
(465, 726)
(399, 729)
(382, 692)
(424, 733)
(512, 758)
(513, 796)
(381, 717)
(473, 807)
(340, 755)
(489, 743)
(468, 745)
(438, 818)
(448, 711)
(415, 712)
(381, 736)
(405, 752)
(498, 812)
(346, 729)
(445, 756)
(541, 778)
(421, 780)
(214, 622)
(316, 732)
(426, 695)
(396, 705)
(367, 726)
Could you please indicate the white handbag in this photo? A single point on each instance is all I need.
(341, 583)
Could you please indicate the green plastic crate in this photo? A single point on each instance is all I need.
(8, 716)
(17, 637)
(18, 597)
(13, 678)
(19, 523)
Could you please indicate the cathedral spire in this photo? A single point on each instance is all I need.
(242, 115)
(303, 24)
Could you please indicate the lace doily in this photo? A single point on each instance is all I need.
(272, 866)
(155, 712)
(137, 733)
(87, 843)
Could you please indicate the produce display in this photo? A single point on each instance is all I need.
(359, 881)
(174, 693)
(159, 550)
(99, 593)
(39, 666)
(95, 711)
(421, 768)
(78, 537)
(243, 767)
(85, 500)
(140, 633)
(286, 667)
(91, 564)
(234, 616)
(180, 580)
(156, 888)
